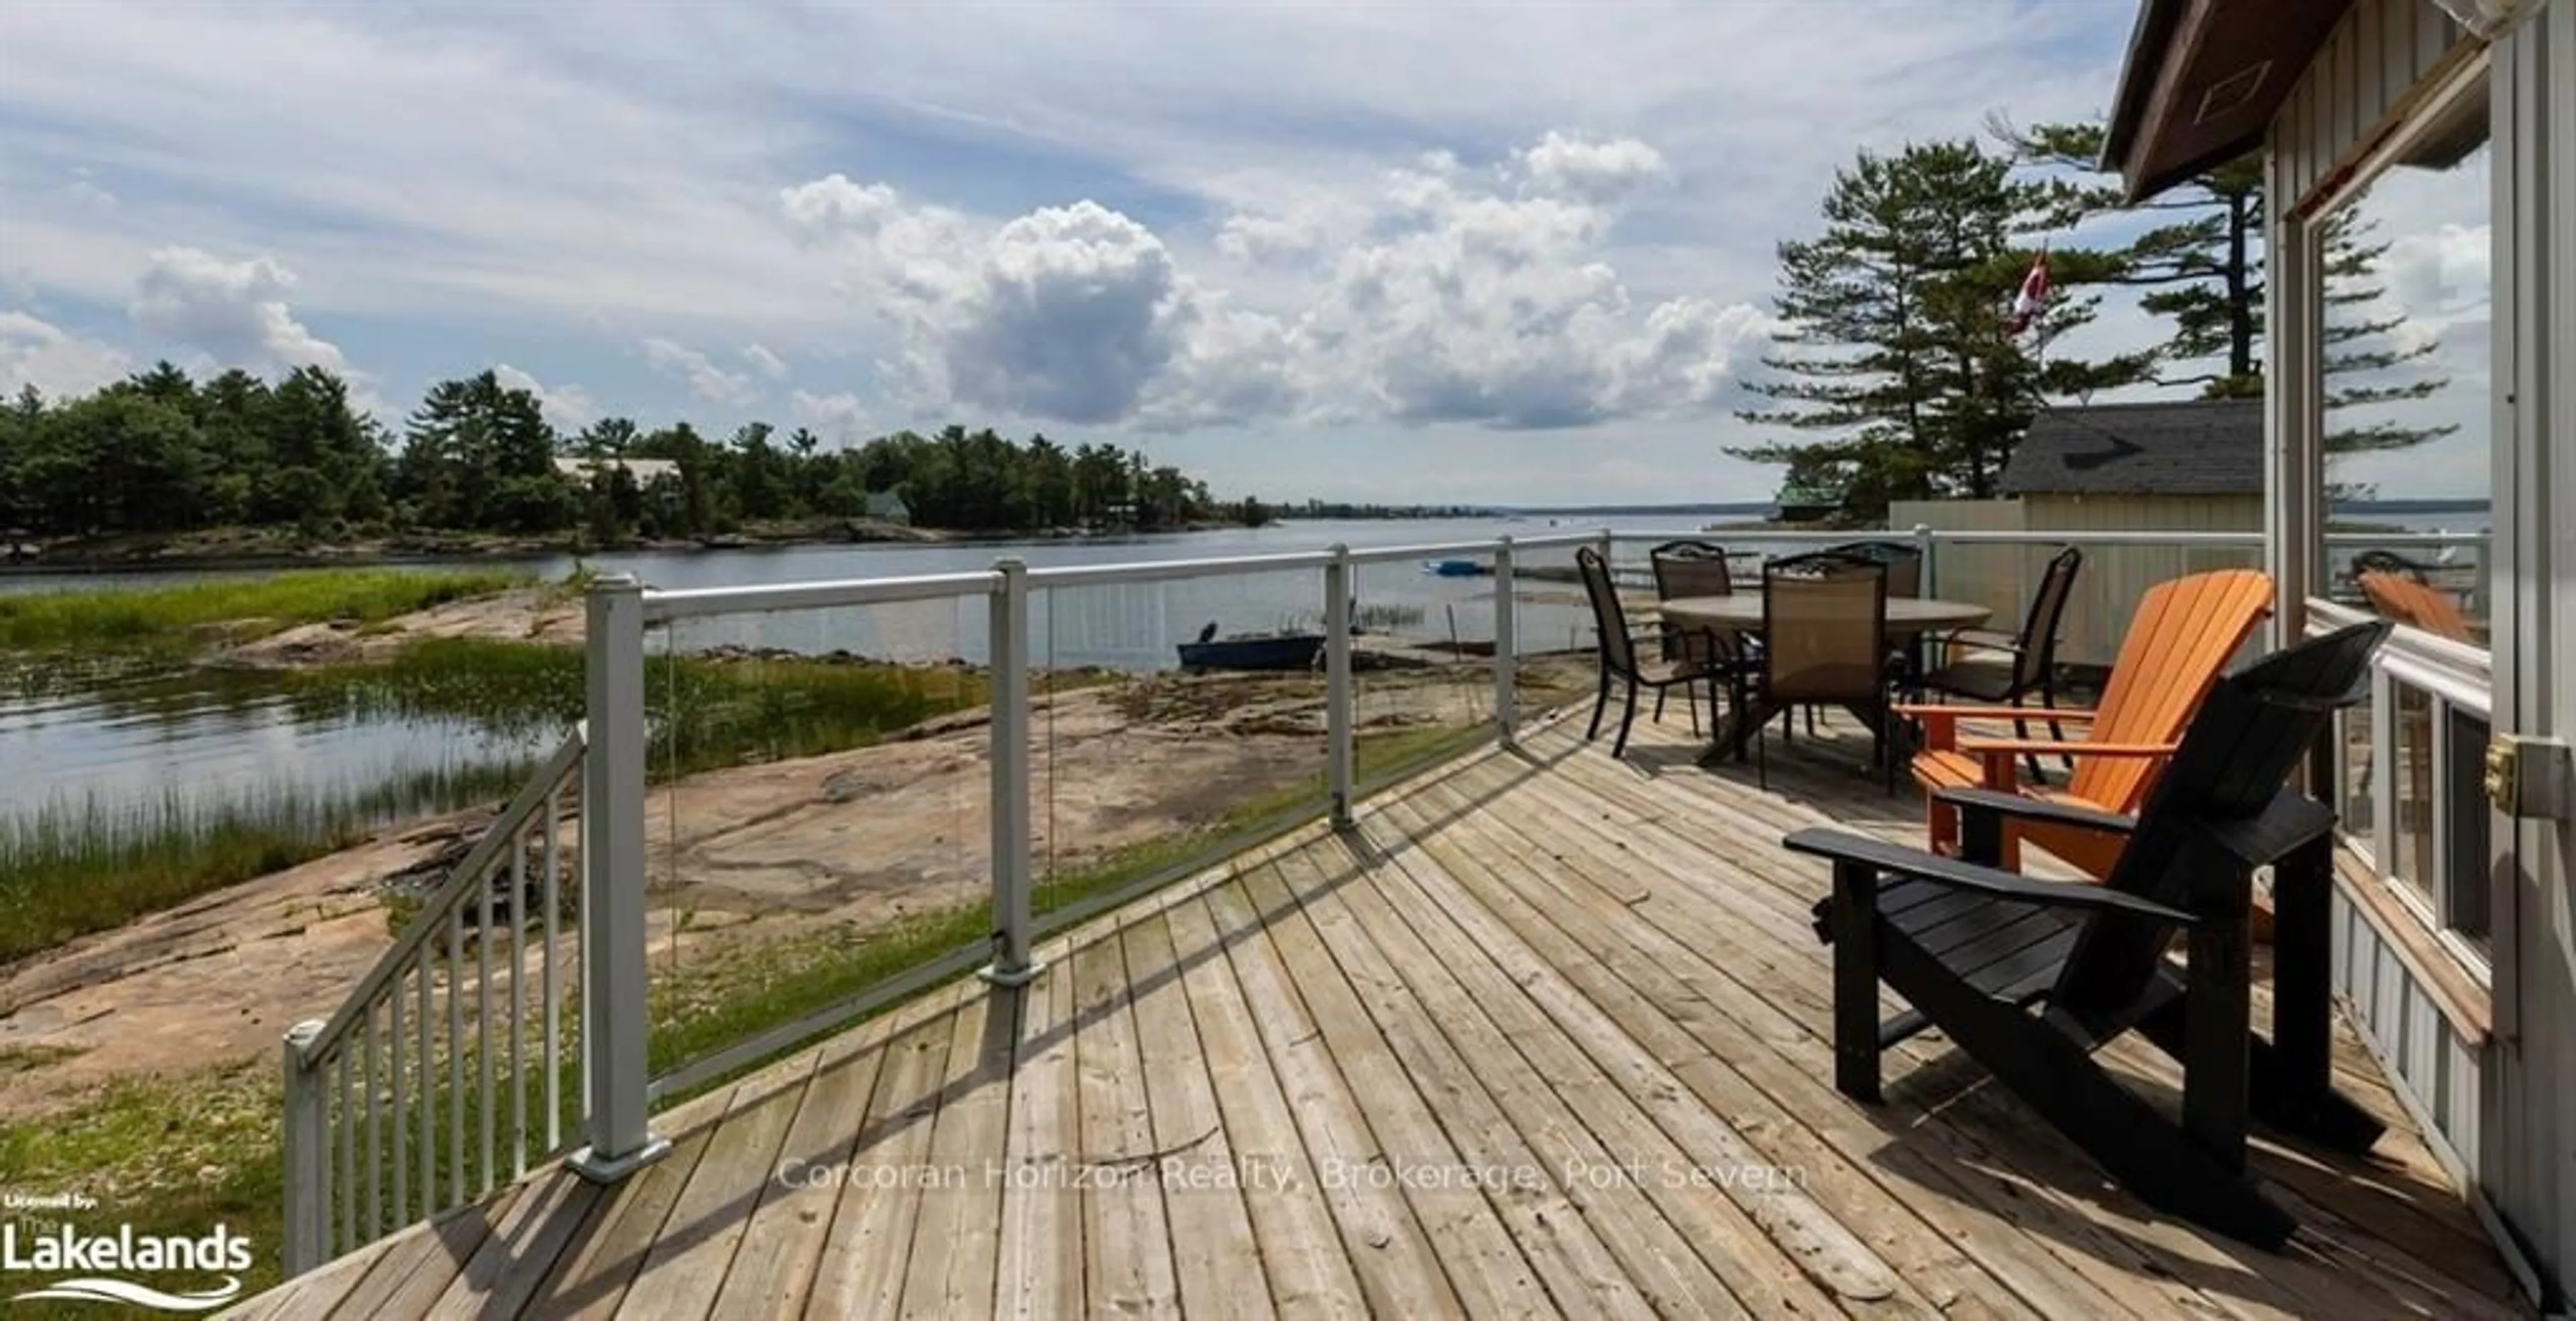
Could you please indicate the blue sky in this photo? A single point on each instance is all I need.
(1503, 252)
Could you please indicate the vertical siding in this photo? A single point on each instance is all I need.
(2114, 577)
(2534, 1085)
(2380, 52)
(2432, 1067)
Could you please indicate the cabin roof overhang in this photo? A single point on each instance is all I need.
(2201, 83)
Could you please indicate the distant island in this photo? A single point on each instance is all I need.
(164, 466)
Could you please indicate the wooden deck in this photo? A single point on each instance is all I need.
(1545, 1036)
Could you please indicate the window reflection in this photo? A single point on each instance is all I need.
(2407, 379)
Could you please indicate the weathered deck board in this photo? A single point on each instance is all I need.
(1588, 973)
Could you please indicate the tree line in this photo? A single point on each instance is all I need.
(162, 452)
(1903, 378)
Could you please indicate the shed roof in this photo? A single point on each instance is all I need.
(2171, 447)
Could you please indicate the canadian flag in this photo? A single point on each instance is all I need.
(2033, 298)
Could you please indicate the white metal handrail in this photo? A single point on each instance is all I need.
(365, 1091)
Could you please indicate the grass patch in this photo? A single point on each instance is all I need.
(66, 871)
(145, 617)
(706, 712)
(167, 1155)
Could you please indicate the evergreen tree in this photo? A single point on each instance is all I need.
(1896, 342)
(2204, 270)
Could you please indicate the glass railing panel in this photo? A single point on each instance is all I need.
(1174, 719)
(816, 812)
(1422, 663)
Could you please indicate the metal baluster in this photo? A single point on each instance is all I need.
(456, 1053)
(483, 1015)
(553, 987)
(396, 1131)
(348, 1152)
(518, 1001)
(373, 1198)
(428, 1100)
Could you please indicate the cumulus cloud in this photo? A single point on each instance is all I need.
(765, 362)
(1445, 294)
(36, 352)
(234, 312)
(1595, 171)
(833, 206)
(705, 379)
(565, 405)
(835, 416)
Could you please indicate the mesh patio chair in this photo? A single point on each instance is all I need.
(1619, 658)
(1696, 568)
(1824, 641)
(2003, 669)
(1904, 561)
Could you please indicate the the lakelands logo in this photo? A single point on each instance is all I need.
(88, 1267)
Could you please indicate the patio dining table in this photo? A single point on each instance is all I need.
(1908, 618)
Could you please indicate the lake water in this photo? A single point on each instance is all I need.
(133, 740)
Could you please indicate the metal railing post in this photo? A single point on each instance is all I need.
(1337, 684)
(307, 1155)
(1926, 548)
(1012, 963)
(612, 823)
(1506, 661)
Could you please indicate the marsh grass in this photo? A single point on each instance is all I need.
(133, 618)
(68, 869)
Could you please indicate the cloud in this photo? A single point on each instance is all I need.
(838, 417)
(765, 362)
(833, 207)
(1450, 294)
(56, 362)
(1594, 171)
(234, 312)
(568, 406)
(705, 379)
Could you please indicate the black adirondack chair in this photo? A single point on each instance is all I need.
(2032, 976)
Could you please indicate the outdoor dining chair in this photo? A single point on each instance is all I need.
(2003, 669)
(1619, 658)
(1695, 568)
(1824, 624)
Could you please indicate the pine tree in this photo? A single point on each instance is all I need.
(2205, 272)
(1896, 342)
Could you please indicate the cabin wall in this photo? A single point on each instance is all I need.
(2506, 1110)
(2534, 1077)
(2437, 1070)
(2113, 577)
(2378, 58)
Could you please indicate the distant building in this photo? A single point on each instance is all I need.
(1802, 503)
(2170, 466)
(644, 471)
(888, 507)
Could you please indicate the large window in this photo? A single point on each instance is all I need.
(2405, 378)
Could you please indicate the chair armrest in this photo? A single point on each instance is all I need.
(2026, 808)
(1948, 712)
(1867, 851)
(2051, 748)
(1986, 639)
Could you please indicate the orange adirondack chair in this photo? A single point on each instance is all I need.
(2180, 639)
